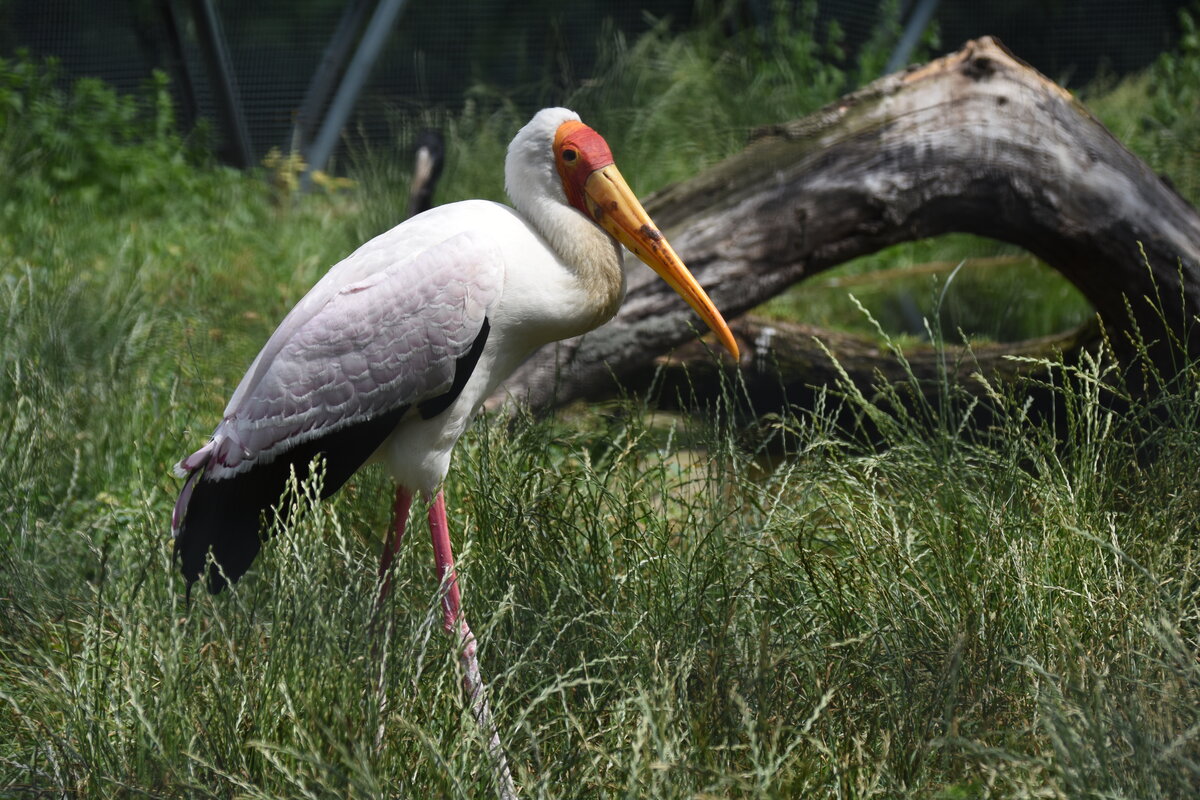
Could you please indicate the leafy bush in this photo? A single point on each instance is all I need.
(89, 144)
(1157, 113)
(1175, 127)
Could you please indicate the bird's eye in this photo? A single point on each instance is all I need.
(570, 155)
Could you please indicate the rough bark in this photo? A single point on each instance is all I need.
(793, 360)
(974, 142)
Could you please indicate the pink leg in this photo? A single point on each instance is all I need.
(439, 531)
(392, 542)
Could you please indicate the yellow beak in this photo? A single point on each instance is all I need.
(616, 209)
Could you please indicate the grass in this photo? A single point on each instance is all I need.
(954, 607)
(979, 288)
(950, 614)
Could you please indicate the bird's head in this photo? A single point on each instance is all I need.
(582, 173)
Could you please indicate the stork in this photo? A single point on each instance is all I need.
(391, 354)
(430, 154)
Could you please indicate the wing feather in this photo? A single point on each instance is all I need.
(388, 339)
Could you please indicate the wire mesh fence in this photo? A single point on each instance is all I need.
(440, 51)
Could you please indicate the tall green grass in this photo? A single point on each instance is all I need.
(949, 612)
(958, 605)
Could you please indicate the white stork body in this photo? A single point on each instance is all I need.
(385, 328)
(394, 350)
(520, 315)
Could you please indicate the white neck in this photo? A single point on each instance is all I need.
(584, 248)
(536, 190)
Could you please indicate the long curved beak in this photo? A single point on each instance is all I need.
(616, 209)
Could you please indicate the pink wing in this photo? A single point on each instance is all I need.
(382, 333)
(389, 340)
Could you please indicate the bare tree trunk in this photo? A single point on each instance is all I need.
(976, 142)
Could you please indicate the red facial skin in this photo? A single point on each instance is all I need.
(578, 152)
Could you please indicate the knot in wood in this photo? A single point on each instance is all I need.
(979, 67)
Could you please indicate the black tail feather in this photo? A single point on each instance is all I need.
(228, 517)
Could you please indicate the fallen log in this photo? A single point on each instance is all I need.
(791, 362)
(975, 142)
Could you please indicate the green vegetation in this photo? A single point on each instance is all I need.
(1155, 114)
(970, 286)
(952, 607)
